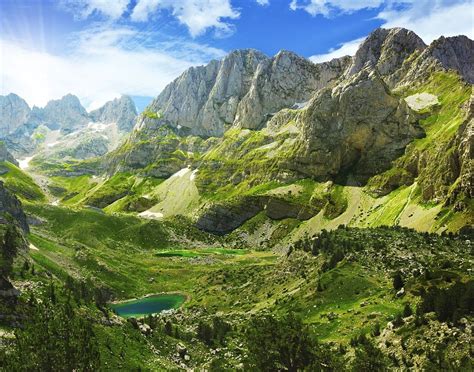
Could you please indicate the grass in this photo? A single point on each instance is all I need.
(20, 183)
(200, 252)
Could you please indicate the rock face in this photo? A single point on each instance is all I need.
(121, 111)
(10, 205)
(66, 114)
(242, 89)
(455, 53)
(14, 112)
(385, 50)
(203, 100)
(358, 127)
(281, 82)
(5, 154)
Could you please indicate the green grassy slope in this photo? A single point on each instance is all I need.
(20, 183)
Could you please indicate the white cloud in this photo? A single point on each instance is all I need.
(431, 19)
(329, 7)
(345, 49)
(197, 15)
(103, 64)
(84, 8)
(263, 2)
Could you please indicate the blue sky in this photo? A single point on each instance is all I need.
(99, 49)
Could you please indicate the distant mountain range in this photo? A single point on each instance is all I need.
(24, 130)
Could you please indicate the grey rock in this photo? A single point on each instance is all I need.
(281, 82)
(358, 127)
(66, 114)
(243, 89)
(448, 53)
(121, 111)
(5, 154)
(221, 219)
(204, 99)
(385, 50)
(278, 209)
(14, 112)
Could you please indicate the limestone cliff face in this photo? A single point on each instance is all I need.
(5, 154)
(14, 112)
(243, 89)
(385, 50)
(66, 114)
(284, 81)
(121, 111)
(204, 100)
(356, 128)
(448, 53)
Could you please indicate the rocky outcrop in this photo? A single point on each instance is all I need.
(121, 111)
(10, 206)
(284, 81)
(385, 50)
(356, 128)
(449, 53)
(14, 112)
(222, 218)
(5, 154)
(66, 114)
(243, 89)
(204, 100)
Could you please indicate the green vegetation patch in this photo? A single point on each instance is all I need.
(20, 183)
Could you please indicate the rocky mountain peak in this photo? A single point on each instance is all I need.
(386, 50)
(66, 114)
(243, 89)
(455, 53)
(120, 110)
(5, 155)
(14, 111)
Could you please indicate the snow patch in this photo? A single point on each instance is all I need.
(25, 163)
(151, 215)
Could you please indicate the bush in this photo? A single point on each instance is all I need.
(398, 281)
(369, 358)
(285, 344)
(407, 311)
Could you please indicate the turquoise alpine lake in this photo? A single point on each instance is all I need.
(148, 305)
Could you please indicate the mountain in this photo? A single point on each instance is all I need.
(287, 215)
(394, 116)
(65, 125)
(243, 89)
(65, 114)
(5, 154)
(14, 112)
(121, 111)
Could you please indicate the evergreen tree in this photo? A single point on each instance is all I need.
(398, 281)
